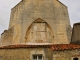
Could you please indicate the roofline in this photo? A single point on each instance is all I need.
(54, 47)
(77, 23)
(62, 3)
(22, 0)
(16, 4)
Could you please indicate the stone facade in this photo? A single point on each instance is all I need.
(48, 54)
(66, 54)
(7, 36)
(38, 30)
(22, 54)
(53, 12)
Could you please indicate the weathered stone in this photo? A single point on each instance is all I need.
(40, 22)
(53, 12)
(7, 36)
(26, 54)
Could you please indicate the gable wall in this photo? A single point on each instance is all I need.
(51, 11)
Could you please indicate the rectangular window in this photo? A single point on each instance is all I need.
(37, 57)
(75, 58)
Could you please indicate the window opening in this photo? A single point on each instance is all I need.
(37, 57)
(75, 59)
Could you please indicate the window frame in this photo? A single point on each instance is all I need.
(38, 55)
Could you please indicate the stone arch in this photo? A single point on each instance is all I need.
(39, 32)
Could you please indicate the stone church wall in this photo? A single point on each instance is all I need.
(7, 37)
(52, 12)
(56, 16)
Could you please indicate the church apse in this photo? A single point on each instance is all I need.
(39, 32)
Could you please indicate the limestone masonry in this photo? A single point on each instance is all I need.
(39, 30)
(24, 17)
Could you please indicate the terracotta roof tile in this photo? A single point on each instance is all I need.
(65, 47)
(54, 47)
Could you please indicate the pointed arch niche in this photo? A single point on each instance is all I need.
(39, 32)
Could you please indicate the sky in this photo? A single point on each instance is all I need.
(6, 5)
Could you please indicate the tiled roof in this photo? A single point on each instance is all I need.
(54, 47)
(24, 46)
(65, 47)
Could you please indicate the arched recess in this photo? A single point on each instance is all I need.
(39, 32)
